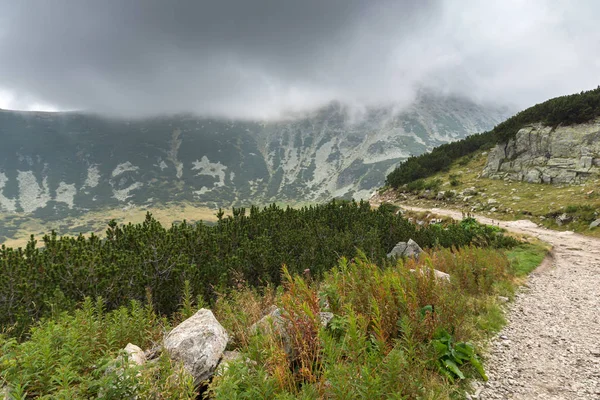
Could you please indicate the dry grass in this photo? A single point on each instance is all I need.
(239, 309)
(96, 221)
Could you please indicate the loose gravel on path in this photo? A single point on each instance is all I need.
(550, 348)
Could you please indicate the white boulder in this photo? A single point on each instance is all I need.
(135, 355)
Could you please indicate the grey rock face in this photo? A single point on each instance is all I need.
(198, 342)
(406, 249)
(541, 154)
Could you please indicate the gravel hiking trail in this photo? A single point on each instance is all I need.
(550, 347)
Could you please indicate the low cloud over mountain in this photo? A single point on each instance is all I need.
(259, 59)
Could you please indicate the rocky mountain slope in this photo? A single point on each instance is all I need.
(53, 164)
(542, 154)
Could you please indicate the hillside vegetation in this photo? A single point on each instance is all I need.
(564, 110)
(248, 246)
(69, 307)
(560, 207)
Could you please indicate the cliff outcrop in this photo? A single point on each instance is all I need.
(542, 154)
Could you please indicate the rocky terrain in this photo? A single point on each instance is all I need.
(542, 154)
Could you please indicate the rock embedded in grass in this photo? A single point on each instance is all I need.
(406, 249)
(325, 317)
(135, 355)
(563, 219)
(438, 274)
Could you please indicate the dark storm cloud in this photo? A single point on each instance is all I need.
(259, 58)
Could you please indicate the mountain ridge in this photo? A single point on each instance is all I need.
(54, 164)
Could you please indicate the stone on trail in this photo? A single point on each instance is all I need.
(199, 343)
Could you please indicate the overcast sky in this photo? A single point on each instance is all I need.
(259, 58)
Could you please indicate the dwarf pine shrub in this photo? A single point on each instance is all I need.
(245, 247)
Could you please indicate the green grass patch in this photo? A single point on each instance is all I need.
(525, 258)
(491, 319)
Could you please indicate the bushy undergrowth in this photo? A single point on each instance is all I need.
(565, 110)
(395, 333)
(245, 247)
(76, 356)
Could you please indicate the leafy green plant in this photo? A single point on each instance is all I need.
(452, 356)
(454, 181)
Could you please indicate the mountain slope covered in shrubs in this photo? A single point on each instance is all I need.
(564, 110)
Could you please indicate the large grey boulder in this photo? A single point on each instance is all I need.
(533, 176)
(406, 249)
(595, 224)
(199, 343)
